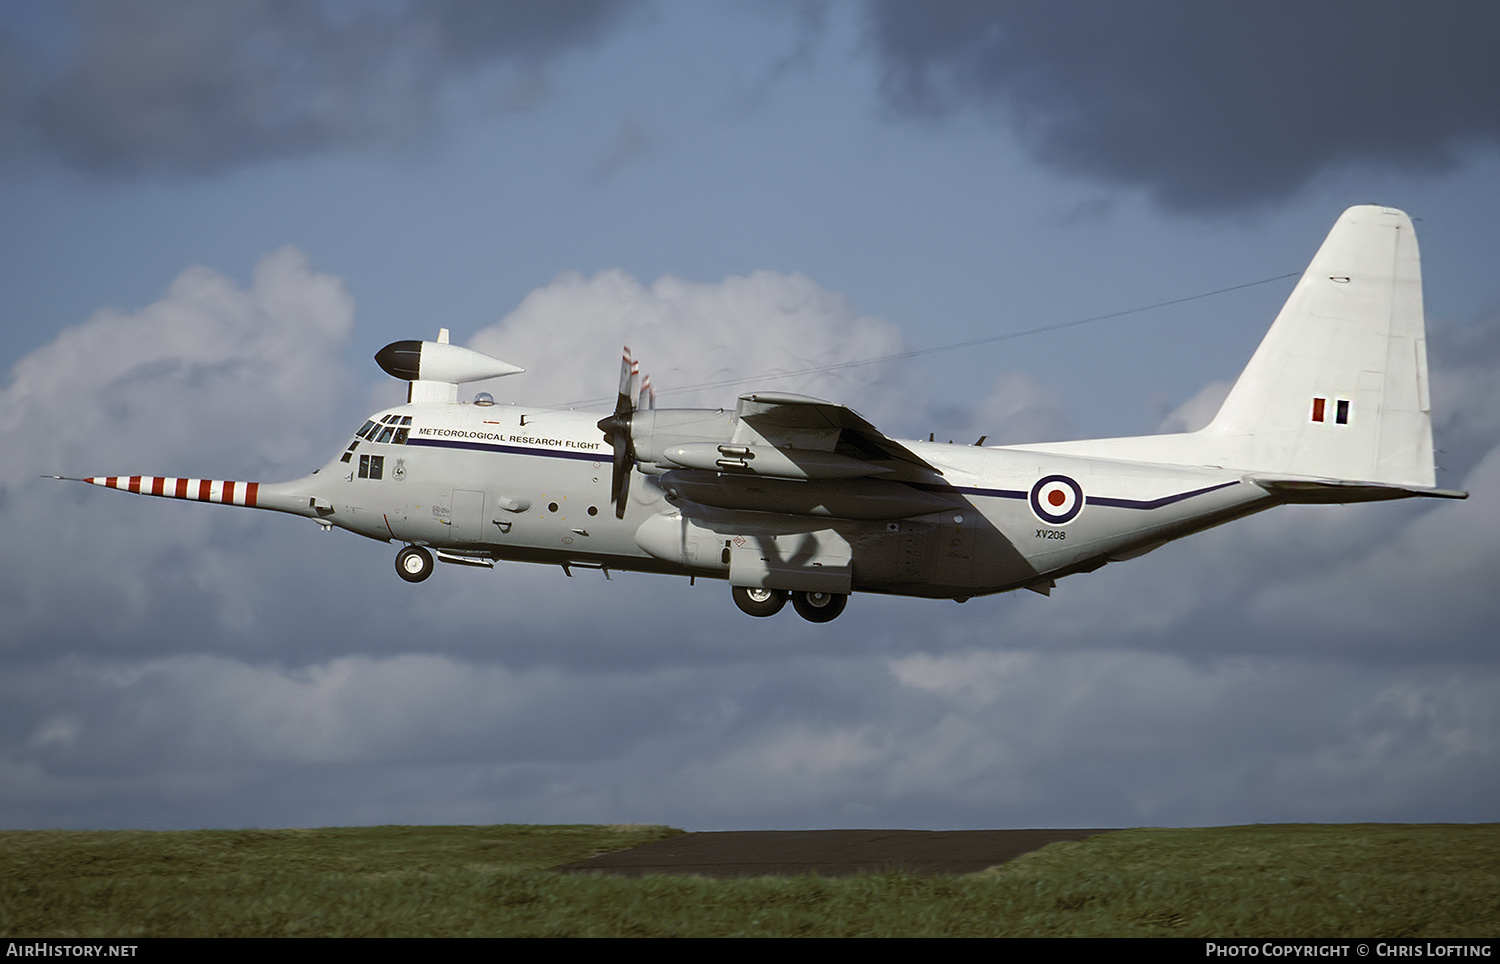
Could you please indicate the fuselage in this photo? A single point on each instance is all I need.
(479, 483)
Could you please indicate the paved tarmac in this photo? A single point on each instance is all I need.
(827, 853)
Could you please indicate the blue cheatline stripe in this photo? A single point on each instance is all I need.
(1088, 499)
(600, 456)
(1155, 503)
(973, 490)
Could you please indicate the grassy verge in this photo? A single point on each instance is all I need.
(1263, 881)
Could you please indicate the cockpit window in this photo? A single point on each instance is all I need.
(385, 430)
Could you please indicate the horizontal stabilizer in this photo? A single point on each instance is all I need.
(1294, 489)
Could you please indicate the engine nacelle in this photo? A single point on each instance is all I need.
(767, 460)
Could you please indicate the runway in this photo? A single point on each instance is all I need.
(827, 853)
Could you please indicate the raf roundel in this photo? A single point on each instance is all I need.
(1056, 499)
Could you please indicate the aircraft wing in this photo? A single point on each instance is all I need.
(799, 422)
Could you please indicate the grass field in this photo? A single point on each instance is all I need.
(1379, 880)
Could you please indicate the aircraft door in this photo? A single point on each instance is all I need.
(467, 520)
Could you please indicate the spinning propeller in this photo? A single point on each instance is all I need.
(617, 429)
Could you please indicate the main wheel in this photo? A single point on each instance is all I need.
(758, 602)
(414, 563)
(819, 607)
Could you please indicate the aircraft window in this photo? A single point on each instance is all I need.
(347, 456)
(371, 466)
(406, 420)
(387, 419)
(400, 438)
(365, 432)
(385, 434)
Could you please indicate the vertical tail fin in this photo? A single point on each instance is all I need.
(1338, 387)
(1336, 394)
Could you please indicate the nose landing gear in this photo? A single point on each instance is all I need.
(414, 563)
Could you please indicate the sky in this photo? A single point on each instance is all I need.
(215, 214)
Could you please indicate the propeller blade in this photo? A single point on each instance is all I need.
(627, 368)
(616, 429)
(620, 474)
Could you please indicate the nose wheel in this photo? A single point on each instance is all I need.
(414, 563)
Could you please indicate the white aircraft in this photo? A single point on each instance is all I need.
(789, 497)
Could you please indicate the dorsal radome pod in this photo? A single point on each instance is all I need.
(436, 368)
(431, 361)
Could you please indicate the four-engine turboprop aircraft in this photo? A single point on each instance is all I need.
(789, 497)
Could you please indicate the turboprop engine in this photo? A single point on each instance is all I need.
(712, 457)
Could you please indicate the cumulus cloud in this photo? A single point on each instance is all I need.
(1204, 106)
(197, 372)
(703, 344)
(164, 87)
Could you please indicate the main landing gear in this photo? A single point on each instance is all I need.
(758, 602)
(819, 607)
(414, 563)
(815, 607)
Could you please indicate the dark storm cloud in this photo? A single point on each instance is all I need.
(170, 87)
(1206, 105)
